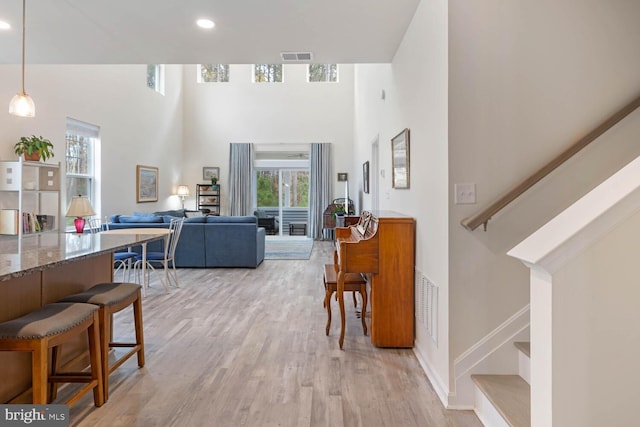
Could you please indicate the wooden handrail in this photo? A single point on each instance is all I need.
(483, 217)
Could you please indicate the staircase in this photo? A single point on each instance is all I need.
(505, 400)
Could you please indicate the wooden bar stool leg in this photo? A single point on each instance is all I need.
(39, 372)
(55, 364)
(104, 338)
(137, 315)
(97, 374)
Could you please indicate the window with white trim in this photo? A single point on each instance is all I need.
(322, 72)
(267, 73)
(155, 77)
(213, 73)
(82, 142)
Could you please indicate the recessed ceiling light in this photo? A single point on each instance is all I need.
(4, 25)
(205, 23)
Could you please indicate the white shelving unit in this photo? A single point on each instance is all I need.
(29, 197)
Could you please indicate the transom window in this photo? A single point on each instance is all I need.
(155, 77)
(213, 73)
(323, 72)
(270, 73)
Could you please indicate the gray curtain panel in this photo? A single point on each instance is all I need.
(319, 187)
(240, 179)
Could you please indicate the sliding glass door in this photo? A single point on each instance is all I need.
(283, 193)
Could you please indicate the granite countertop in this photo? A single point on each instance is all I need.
(32, 252)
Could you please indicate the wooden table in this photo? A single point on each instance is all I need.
(147, 231)
(297, 229)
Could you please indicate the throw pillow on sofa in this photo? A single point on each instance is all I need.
(139, 218)
(179, 213)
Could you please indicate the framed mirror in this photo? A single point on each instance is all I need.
(400, 160)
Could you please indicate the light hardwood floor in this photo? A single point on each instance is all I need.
(244, 347)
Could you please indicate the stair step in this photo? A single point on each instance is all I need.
(524, 347)
(510, 395)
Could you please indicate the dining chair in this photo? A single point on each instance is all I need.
(166, 258)
(121, 260)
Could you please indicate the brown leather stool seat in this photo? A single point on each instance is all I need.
(112, 298)
(49, 327)
(353, 282)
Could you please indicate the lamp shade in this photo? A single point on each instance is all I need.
(80, 206)
(22, 105)
(183, 190)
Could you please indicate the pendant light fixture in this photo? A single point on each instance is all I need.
(22, 105)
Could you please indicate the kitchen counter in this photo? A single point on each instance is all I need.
(34, 252)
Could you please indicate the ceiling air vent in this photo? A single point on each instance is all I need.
(296, 56)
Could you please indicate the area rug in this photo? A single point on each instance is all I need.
(289, 248)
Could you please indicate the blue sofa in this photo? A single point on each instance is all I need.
(205, 241)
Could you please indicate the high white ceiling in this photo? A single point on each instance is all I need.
(164, 31)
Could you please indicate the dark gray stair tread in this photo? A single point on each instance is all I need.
(524, 347)
(510, 395)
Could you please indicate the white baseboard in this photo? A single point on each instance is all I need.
(436, 382)
(492, 341)
(494, 354)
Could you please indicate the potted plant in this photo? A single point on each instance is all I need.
(34, 148)
(214, 182)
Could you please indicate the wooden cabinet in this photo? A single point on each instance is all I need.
(29, 197)
(208, 197)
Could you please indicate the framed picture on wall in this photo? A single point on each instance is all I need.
(146, 184)
(365, 177)
(400, 160)
(209, 172)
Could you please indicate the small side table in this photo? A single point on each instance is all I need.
(297, 229)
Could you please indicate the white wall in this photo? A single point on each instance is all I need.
(526, 79)
(371, 124)
(137, 125)
(415, 88)
(596, 337)
(294, 111)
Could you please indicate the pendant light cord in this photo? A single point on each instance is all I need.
(24, 20)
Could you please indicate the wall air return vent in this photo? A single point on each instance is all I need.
(296, 56)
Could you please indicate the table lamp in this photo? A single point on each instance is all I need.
(80, 207)
(183, 191)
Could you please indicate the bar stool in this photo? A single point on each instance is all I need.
(111, 298)
(353, 282)
(49, 327)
